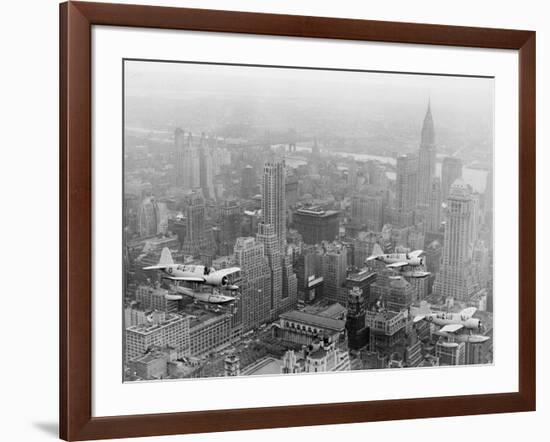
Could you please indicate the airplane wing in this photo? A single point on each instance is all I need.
(396, 265)
(418, 318)
(467, 313)
(157, 267)
(185, 278)
(451, 328)
(229, 271)
(416, 253)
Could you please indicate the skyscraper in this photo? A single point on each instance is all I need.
(400, 296)
(206, 169)
(230, 215)
(187, 170)
(198, 238)
(456, 277)
(148, 217)
(426, 159)
(355, 319)
(333, 260)
(256, 282)
(273, 199)
(433, 220)
(368, 211)
(266, 236)
(451, 170)
(316, 224)
(406, 186)
(248, 182)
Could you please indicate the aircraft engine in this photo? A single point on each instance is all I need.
(473, 323)
(416, 261)
(217, 281)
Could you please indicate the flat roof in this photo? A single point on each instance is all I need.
(316, 320)
(268, 365)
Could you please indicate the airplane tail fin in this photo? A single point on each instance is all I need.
(377, 250)
(164, 261)
(166, 257)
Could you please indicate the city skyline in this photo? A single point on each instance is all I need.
(344, 245)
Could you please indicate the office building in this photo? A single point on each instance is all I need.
(368, 211)
(400, 295)
(256, 282)
(173, 332)
(316, 225)
(355, 321)
(406, 190)
(273, 199)
(333, 265)
(249, 184)
(199, 239)
(187, 154)
(433, 218)
(456, 278)
(450, 353)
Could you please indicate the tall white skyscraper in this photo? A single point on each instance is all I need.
(457, 278)
(273, 199)
(256, 285)
(187, 155)
(433, 220)
(406, 190)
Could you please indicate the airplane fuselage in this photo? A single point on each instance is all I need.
(183, 270)
(443, 319)
(392, 258)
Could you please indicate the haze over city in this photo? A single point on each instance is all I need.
(286, 221)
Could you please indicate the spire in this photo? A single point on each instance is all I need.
(428, 135)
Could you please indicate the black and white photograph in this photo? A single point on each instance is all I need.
(288, 220)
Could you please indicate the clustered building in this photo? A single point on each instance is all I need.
(309, 299)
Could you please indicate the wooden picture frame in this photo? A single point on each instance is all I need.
(76, 21)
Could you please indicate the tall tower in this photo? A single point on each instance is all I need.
(206, 168)
(148, 217)
(230, 215)
(187, 161)
(426, 159)
(456, 278)
(248, 182)
(406, 186)
(433, 220)
(198, 239)
(266, 236)
(273, 199)
(333, 264)
(256, 285)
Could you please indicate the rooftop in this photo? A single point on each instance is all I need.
(316, 320)
(267, 365)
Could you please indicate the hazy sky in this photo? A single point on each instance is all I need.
(196, 95)
(179, 79)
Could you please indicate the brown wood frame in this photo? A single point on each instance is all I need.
(76, 421)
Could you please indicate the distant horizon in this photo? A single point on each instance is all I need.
(335, 103)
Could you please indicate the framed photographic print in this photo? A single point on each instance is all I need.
(274, 220)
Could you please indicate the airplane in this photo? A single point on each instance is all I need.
(215, 297)
(197, 274)
(397, 260)
(458, 321)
